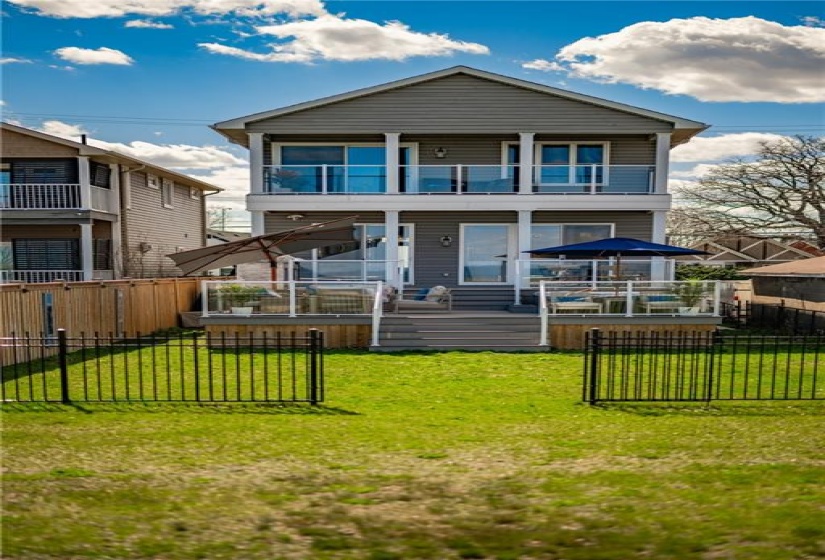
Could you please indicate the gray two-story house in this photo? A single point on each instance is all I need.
(455, 173)
(71, 211)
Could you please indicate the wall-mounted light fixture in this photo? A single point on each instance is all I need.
(440, 152)
(295, 217)
(446, 241)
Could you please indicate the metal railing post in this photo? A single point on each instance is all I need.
(63, 363)
(593, 381)
(376, 313)
(315, 343)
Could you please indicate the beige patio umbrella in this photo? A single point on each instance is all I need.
(337, 236)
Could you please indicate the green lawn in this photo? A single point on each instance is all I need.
(454, 455)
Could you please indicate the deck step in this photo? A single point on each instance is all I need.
(458, 331)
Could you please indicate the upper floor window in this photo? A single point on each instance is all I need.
(152, 181)
(571, 164)
(100, 175)
(167, 193)
(353, 168)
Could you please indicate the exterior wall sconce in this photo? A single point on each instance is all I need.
(440, 153)
(446, 241)
(295, 217)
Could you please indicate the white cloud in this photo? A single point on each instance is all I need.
(103, 55)
(147, 24)
(722, 147)
(541, 64)
(12, 60)
(119, 8)
(740, 59)
(331, 37)
(63, 130)
(175, 156)
(813, 21)
(235, 182)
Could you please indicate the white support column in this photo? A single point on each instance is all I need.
(84, 177)
(662, 162)
(256, 162)
(524, 237)
(525, 174)
(116, 208)
(391, 222)
(257, 222)
(658, 268)
(87, 251)
(392, 147)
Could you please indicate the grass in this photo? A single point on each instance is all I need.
(439, 456)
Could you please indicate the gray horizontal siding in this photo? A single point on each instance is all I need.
(277, 221)
(459, 104)
(164, 229)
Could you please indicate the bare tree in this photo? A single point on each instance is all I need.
(216, 217)
(782, 190)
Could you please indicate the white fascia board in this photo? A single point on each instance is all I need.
(453, 203)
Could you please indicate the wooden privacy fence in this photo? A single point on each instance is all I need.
(118, 307)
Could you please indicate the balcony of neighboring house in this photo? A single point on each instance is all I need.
(459, 179)
(55, 196)
(72, 184)
(55, 259)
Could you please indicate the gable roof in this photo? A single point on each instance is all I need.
(814, 267)
(110, 155)
(234, 129)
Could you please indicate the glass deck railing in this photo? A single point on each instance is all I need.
(458, 179)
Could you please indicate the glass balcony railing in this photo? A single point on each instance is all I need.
(531, 272)
(459, 179)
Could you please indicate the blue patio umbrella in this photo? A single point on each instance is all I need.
(616, 247)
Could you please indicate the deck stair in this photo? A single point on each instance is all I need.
(475, 331)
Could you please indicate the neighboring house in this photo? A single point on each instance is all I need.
(219, 236)
(454, 174)
(799, 284)
(745, 250)
(71, 211)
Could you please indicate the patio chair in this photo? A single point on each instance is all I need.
(662, 303)
(566, 303)
(437, 298)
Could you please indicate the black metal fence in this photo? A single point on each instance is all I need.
(183, 368)
(702, 367)
(774, 317)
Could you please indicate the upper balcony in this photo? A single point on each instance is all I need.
(55, 196)
(459, 179)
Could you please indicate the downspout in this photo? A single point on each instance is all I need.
(125, 203)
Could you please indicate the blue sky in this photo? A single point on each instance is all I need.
(148, 79)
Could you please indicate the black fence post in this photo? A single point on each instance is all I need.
(314, 359)
(63, 363)
(595, 344)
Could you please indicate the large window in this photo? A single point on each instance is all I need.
(364, 259)
(484, 250)
(571, 164)
(46, 254)
(333, 169)
(553, 235)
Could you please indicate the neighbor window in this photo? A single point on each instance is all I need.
(168, 193)
(46, 254)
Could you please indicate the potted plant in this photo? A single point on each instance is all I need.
(690, 294)
(239, 299)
